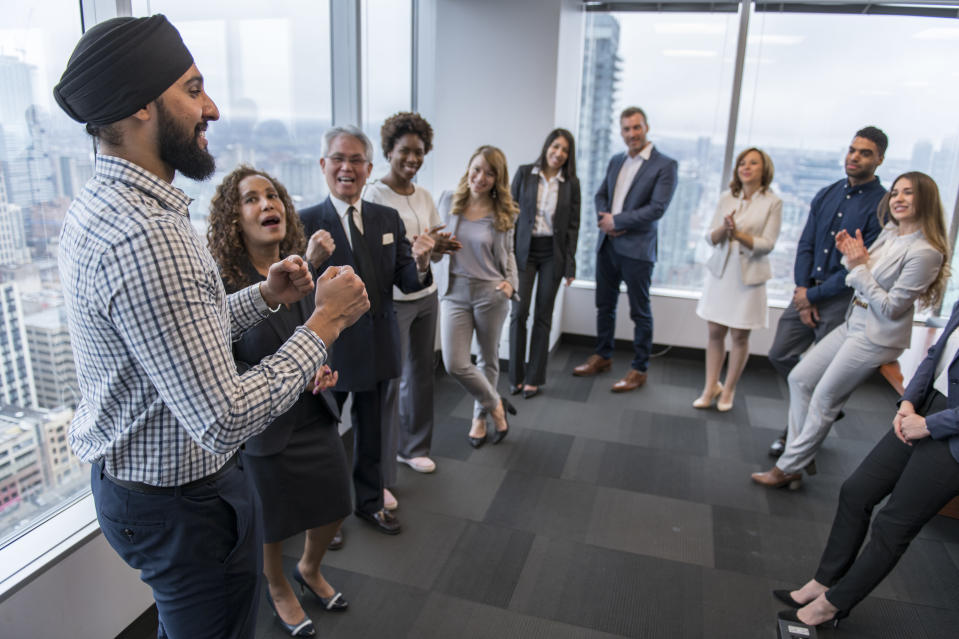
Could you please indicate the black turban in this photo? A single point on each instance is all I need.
(119, 66)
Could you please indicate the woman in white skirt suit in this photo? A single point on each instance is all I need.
(743, 232)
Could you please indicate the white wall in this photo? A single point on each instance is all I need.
(90, 594)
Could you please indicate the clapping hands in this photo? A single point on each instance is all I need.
(852, 248)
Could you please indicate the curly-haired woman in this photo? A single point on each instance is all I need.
(406, 139)
(298, 463)
(482, 279)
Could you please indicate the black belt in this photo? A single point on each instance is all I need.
(150, 489)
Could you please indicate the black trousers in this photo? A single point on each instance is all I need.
(542, 263)
(199, 549)
(366, 414)
(919, 479)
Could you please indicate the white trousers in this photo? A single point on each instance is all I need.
(821, 383)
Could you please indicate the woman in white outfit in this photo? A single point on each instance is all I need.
(743, 232)
(907, 262)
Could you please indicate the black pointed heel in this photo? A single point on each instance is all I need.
(336, 603)
(303, 629)
(786, 598)
(500, 435)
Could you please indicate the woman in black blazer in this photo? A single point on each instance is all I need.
(547, 192)
(298, 464)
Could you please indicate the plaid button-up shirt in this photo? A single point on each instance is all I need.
(151, 329)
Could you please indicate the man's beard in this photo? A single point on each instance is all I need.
(181, 149)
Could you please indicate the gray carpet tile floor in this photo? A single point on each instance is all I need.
(633, 515)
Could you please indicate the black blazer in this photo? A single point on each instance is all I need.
(369, 351)
(263, 340)
(525, 189)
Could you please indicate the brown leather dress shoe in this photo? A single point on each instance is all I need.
(633, 380)
(384, 521)
(776, 478)
(595, 364)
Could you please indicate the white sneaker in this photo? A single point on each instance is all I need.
(419, 464)
(389, 501)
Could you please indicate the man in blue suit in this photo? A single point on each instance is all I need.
(372, 239)
(637, 190)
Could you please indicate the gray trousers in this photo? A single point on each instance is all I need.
(409, 429)
(821, 383)
(793, 337)
(473, 305)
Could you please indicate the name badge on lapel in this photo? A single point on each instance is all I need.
(387, 238)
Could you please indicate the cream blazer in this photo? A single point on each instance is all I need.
(892, 281)
(760, 216)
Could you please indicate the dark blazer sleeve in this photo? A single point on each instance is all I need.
(943, 424)
(405, 274)
(572, 231)
(641, 219)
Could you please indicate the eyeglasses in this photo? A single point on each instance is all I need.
(356, 161)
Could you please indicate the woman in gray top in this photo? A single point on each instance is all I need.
(481, 280)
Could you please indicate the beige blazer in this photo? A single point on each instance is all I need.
(891, 283)
(760, 216)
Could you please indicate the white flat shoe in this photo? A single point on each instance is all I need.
(389, 501)
(419, 464)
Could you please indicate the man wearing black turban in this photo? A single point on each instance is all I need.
(162, 409)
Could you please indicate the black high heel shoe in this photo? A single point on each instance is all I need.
(336, 603)
(786, 598)
(516, 390)
(790, 615)
(500, 435)
(529, 394)
(303, 629)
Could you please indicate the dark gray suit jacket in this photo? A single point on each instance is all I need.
(525, 190)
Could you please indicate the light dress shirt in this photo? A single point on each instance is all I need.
(151, 328)
(341, 210)
(627, 172)
(547, 194)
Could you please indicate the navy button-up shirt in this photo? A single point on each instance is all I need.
(838, 206)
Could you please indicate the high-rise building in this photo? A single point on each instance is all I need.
(16, 96)
(54, 372)
(60, 465)
(601, 65)
(21, 471)
(16, 373)
(13, 237)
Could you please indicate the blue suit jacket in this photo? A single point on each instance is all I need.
(646, 201)
(369, 351)
(944, 424)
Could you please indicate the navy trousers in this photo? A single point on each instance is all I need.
(611, 269)
(200, 549)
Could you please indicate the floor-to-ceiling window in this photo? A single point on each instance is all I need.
(809, 80)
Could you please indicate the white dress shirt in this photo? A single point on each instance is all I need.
(627, 173)
(547, 194)
(942, 366)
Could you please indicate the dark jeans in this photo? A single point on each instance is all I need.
(611, 269)
(199, 549)
(540, 263)
(919, 479)
(367, 416)
(793, 337)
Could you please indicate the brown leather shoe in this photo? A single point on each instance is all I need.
(633, 380)
(776, 478)
(595, 364)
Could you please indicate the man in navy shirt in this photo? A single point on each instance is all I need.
(821, 297)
